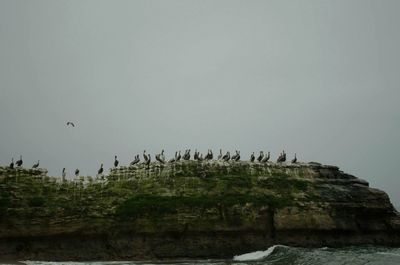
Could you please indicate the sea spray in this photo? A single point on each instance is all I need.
(256, 255)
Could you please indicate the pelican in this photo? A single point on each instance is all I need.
(36, 165)
(135, 161)
(172, 160)
(12, 163)
(220, 154)
(266, 158)
(100, 171)
(148, 160)
(177, 158)
(260, 157)
(234, 156)
(76, 172)
(162, 156)
(279, 158)
(63, 174)
(201, 157)
(195, 155)
(116, 162)
(237, 156)
(227, 156)
(252, 157)
(186, 156)
(211, 155)
(145, 156)
(19, 162)
(294, 160)
(283, 156)
(159, 159)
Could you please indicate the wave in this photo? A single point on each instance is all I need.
(257, 255)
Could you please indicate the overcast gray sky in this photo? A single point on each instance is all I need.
(319, 78)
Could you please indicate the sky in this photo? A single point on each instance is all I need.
(316, 78)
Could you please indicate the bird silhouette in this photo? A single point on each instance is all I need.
(36, 165)
(70, 124)
(116, 162)
(266, 158)
(294, 160)
(19, 162)
(100, 171)
(252, 157)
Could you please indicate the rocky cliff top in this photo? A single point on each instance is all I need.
(300, 204)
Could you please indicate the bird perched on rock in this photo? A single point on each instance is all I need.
(252, 157)
(211, 155)
(70, 124)
(162, 156)
(76, 172)
(145, 157)
(294, 160)
(282, 157)
(19, 162)
(63, 174)
(36, 165)
(220, 154)
(186, 156)
(196, 155)
(237, 156)
(227, 156)
(178, 157)
(116, 162)
(159, 158)
(279, 158)
(135, 161)
(147, 162)
(172, 160)
(100, 171)
(266, 158)
(11, 166)
(234, 156)
(261, 156)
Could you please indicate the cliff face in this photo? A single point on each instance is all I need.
(189, 209)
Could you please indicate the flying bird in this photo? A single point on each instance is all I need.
(70, 123)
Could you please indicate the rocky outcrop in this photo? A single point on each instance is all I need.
(189, 209)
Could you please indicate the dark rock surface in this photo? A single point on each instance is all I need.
(189, 210)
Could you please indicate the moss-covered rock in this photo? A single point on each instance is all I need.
(189, 209)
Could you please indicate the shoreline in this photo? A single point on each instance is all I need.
(376, 249)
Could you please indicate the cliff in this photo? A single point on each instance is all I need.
(189, 209)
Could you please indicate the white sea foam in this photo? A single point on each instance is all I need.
(256, 255)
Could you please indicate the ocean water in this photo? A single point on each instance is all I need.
(276, 255)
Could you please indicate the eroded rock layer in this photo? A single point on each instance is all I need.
(189, 209)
